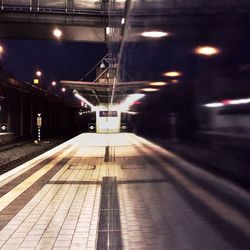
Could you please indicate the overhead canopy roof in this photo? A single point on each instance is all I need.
(97, 93)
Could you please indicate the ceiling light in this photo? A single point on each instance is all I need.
(53, 83)
(214, 105)
(80, 97)
(102, 65)
(239, 101)
(158, 83)
(154, 34)
(172, 74)
(63, 89)
(207, 50)
(129, 101)
(150, 90)
(57, 33)
(108, 31)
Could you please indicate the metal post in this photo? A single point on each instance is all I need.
(39, 134)
(39, 124)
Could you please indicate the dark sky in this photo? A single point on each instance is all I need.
(57, 60)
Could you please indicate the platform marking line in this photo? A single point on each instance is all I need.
(35, 212)
(10, 184)
(20, 201)
(6, 199)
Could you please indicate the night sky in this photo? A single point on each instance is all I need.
(56, 60)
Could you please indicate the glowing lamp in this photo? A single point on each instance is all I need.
(39, 73)
(158, 84)
(154, 34)
(207, 50)
(57, 33)
(172, 74)
(150, 90)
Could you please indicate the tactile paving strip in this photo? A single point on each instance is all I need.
(109, 232)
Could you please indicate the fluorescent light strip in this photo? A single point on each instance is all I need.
(84, 100)
(214, 105)
(124, 106)
(227, 102)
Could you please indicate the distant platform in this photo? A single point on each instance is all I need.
(6, 137)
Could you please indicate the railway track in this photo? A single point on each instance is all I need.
(7, 166)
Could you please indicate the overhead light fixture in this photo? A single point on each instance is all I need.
(57, 33)
(214, 105)
(63, 89)
(207, 50)
(108, 31)
(77, 95)
(102, 65)
(129, 101)
(149, 90)
(53, 83)
(158, 84)
(154, 34)
(172, 74)
(228, 102)
(240, 101)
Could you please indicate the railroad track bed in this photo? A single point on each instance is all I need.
(16, 154)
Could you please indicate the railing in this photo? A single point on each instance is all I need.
(59, 6)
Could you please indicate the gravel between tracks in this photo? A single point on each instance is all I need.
(27, 149)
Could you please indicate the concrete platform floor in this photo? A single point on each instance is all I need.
(83, 195)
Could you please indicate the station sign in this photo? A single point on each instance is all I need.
(36, 81)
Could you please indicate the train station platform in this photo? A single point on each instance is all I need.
(119, 191)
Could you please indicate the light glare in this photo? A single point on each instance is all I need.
(150, 90)
(53, 83)
(239, 101)
(228, 102)
(130, 99)
(108, 31)
(77, 95)
(158, 83)
(154, 34)
(57, 33)
(214, 105)
(207, 51)
(38, 73)
(172, 74)
(1, 49)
